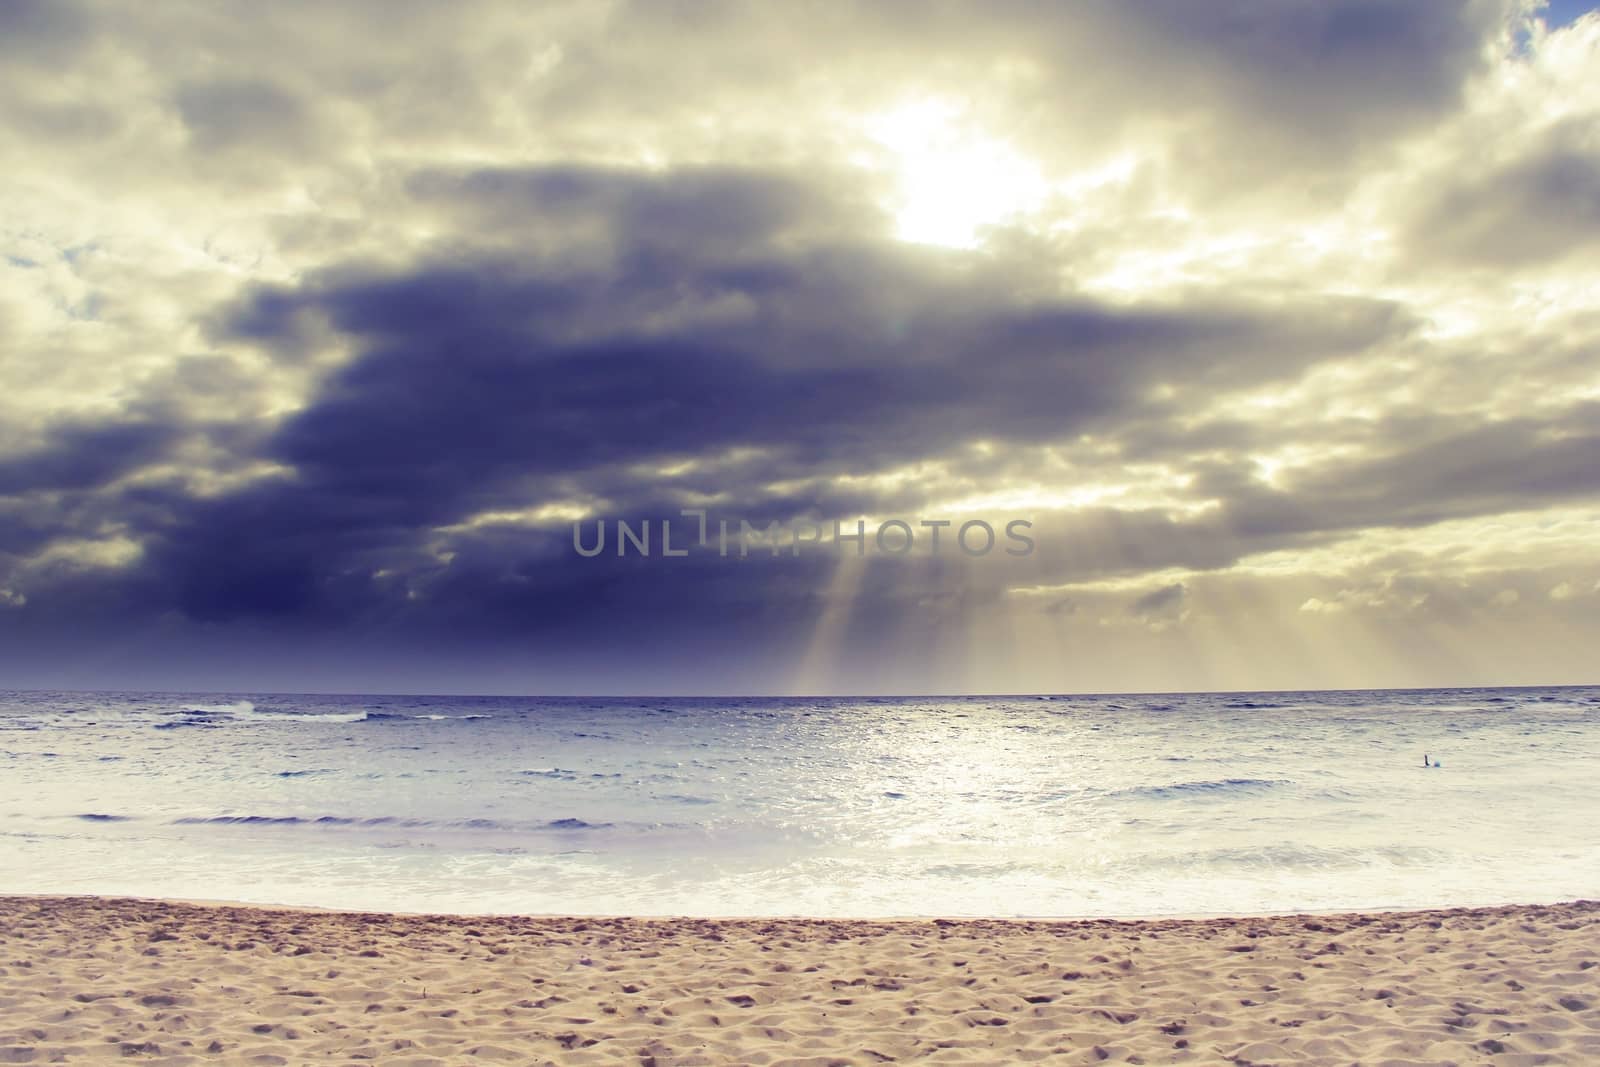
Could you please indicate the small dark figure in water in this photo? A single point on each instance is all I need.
(1425, 762)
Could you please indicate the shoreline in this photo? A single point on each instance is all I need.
(200, 982)
(1178, 917)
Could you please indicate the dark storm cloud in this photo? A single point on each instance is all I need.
(1316, 73)
(699, 211)
(1543, 206)
(529, 581)
(839, 351)
(726, 319)
(338, 372)
(480, 379)
(1487, 468)
(84, 455)
(28, 523)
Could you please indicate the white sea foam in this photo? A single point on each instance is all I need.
(237, 707)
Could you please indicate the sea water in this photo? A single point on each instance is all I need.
(1173, 804)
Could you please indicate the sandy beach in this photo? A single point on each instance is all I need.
(93, 978)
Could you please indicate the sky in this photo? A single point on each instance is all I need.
(321, 326)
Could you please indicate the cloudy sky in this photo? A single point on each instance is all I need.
(320, 325)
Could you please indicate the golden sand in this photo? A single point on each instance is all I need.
(131, 980)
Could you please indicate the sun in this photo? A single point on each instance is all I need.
(950, 178)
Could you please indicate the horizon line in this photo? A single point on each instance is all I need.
(804, 696)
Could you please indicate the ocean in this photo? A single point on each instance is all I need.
(1058, 806)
